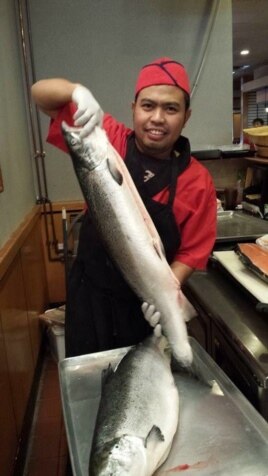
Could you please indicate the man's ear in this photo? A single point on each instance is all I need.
(187, 116)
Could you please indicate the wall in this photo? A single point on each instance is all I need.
(15, 156)
(103, 44)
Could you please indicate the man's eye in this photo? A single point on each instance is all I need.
(172, 109)
(147, 106)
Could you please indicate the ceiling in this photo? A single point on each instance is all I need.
(250, 31)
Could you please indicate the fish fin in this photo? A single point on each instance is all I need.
(106, 374)
(154, 435)
(115, 172)
(195, 371)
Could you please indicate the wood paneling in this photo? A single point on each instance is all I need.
(16, 338)
(9, 251)
(8, 431)
(23, 296)
(34, 278)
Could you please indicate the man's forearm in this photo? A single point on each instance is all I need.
(181, 271)
(51, 94)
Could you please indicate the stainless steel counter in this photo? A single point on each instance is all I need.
(239, 227)
(219, 432)
(231, 308)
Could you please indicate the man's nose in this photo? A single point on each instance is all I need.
(158, 115)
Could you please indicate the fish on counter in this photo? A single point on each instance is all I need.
(138, 413)
(128, 233)
(255, 258)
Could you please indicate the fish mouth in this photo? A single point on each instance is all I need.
(70, 129)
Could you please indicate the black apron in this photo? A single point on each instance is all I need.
(102, 312)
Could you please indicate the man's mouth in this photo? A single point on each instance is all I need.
(155, 132)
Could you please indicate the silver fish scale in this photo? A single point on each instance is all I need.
(135, 399)
(108, 200)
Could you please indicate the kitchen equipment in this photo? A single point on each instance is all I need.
(235, 226)
(230, 195)
(219, 431)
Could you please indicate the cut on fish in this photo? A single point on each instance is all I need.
(128, 232)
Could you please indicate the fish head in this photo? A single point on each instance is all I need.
(87, 153)
(123, 456)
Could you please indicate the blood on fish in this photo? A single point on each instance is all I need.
(184, 467)
(181, 467)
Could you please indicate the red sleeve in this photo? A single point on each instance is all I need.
(55, 136)
(195, 210)
(117, 132)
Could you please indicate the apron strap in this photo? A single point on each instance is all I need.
(180, 162)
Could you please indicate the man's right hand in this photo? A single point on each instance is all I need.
(89, 113)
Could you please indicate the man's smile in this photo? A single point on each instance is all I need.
(153, 132)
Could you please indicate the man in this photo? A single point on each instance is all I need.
(257, 122)
(101, 310)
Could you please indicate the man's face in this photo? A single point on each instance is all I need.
(158, 118)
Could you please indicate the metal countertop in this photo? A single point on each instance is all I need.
(239, 226)
(219, 432)
(231, 307)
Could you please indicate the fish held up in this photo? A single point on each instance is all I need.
(128, 233)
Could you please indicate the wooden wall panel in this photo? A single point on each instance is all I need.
(23, 295)
(34, 278)
(8, 431)
(16, 338)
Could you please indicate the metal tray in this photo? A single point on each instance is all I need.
(219, 431)
(239, 226)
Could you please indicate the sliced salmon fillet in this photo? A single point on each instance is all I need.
(255, 258)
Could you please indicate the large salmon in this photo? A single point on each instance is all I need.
(138, 414)
(128, 232)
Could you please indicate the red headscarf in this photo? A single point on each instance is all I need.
(163, 71)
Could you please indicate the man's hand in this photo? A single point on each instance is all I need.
(89, 113)
(150, 314)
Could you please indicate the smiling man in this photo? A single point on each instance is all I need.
(101, 310)
(159, 114)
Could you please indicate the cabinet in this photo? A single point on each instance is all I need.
(232, 363)
(231, 330)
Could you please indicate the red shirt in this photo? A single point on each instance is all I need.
(194, 205)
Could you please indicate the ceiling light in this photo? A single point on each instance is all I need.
(244, 52)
